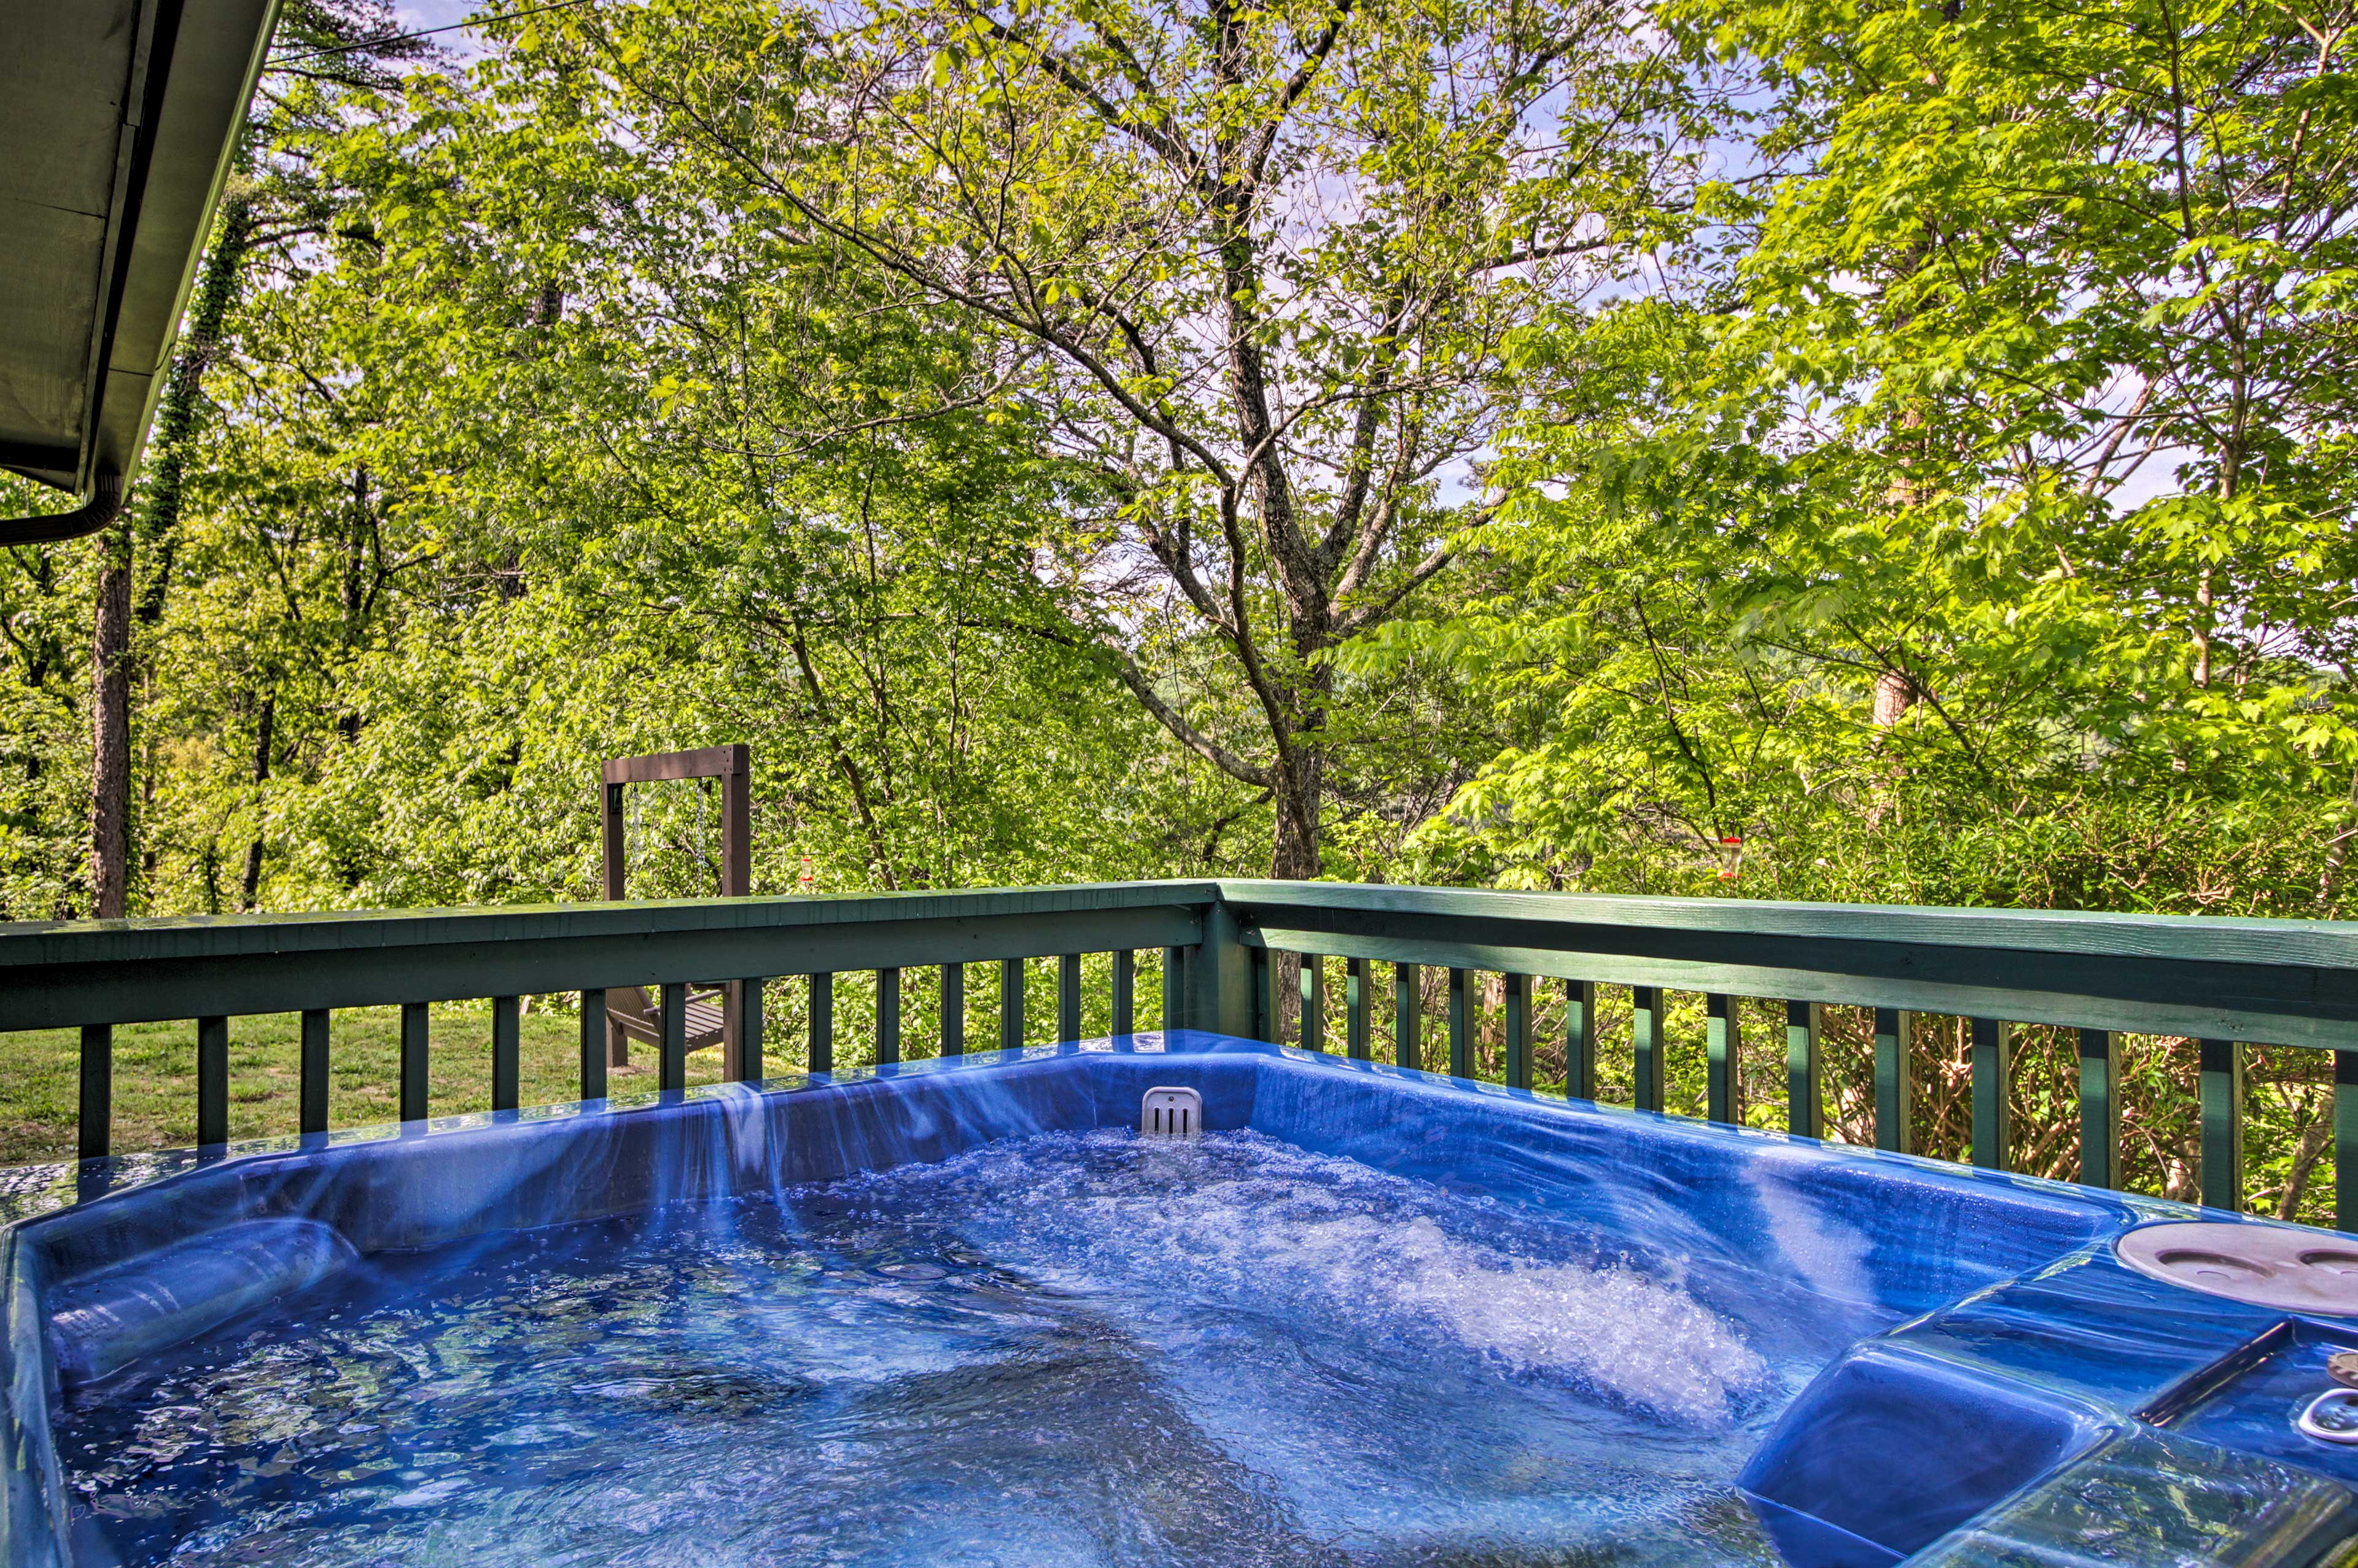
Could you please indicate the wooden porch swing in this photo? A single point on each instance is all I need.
(714, 1014)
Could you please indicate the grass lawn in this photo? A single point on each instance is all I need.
(155, 1075)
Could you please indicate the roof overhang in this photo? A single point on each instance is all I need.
(118, 119)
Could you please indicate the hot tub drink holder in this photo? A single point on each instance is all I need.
(2270, 1267)
(2264, 1265)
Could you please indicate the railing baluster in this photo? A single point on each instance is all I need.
(1580, 1039)
(1723, 1054)
(212, 1081)
(506, 1064)
(1355, 1008)
(1993, 1055)
(94, 1130)
(2100, 1107)
(1517, 1006)
(1408, 1016)
(671, 1028)
(2345, 1140)
(953, 1010)
(1646, 1044)
(593, 1043)
(1938, 978)
(1011, 1004)
(732, 1032)
(1805, 1095)
(2222, 1124)
(414, 1032)
(1313, 1002)
(1461, 1057)
(749, 1030)
(822, 1022)
(888, 1017)
(1895, 1087)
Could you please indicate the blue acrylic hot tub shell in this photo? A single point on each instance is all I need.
(2037, 1403)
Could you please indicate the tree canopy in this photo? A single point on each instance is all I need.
(1890, 452)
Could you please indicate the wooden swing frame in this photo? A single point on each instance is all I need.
(715, 1017)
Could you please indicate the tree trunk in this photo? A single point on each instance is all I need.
(2205, 618)
(110, 762)
(1295, 855)
(1894, 695)
(2310, 1148)
(111, 651)
(251, 884)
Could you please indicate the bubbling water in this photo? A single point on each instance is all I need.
(1070, 1348)
(1243, 1217)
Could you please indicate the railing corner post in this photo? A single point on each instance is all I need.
(1220, 980)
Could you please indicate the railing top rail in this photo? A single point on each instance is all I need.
(36, 943)
(57, 974)
(2197, 938)
(2278, 981)
(2207, 938)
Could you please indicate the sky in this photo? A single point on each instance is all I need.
(433, 13)
(420, 14)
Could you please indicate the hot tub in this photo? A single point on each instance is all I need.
(960, 1312)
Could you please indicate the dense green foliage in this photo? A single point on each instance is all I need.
(1890, 452)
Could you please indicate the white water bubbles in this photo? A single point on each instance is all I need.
(1249, 1225)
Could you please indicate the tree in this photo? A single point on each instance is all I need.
(538, 454)
(1254, 267)
(2016, 382)
(328, 46)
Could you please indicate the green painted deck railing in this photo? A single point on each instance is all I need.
(2224, 982)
